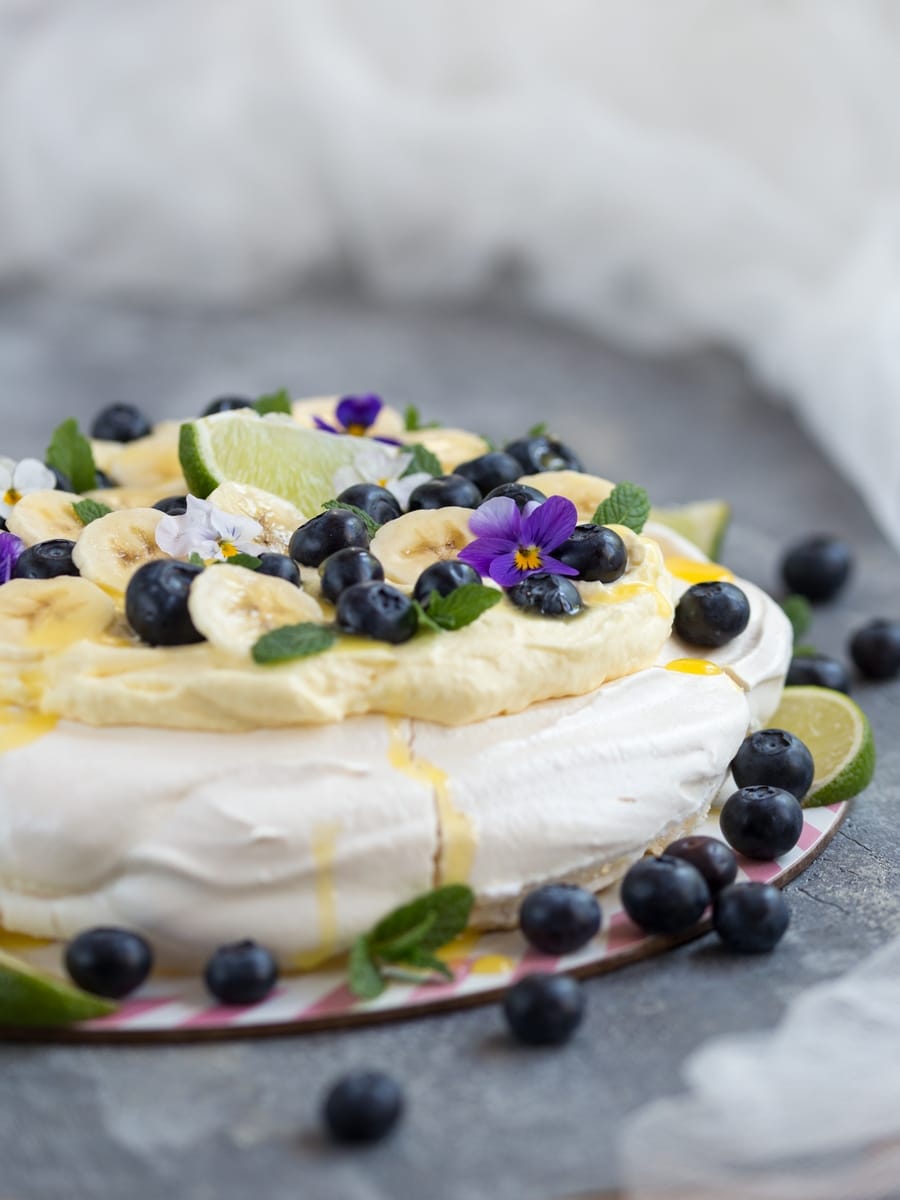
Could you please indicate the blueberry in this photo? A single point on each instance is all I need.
(172, 506)
(490, 470)
(102, 480)
(444, 491)
(713, 859)
(544, 1010)
(63, 482)
(347, 567)
(380, 504)
(120, 423)
(664, 895)
(377, 610)
(241, 973)
(761, 822)
(522, 493)
(817, 568)
(596, 552)
(156, 602)
(559, 918)
(875, 649)
(750, 918)
(46, 560)
(549, 595)
(819, 670)
(444, 577)
(362, 1107)
(711, 614)
(109, 962)
(226, 404)
(536, 454)
(325, 534)
(279, 565)
(776, 758)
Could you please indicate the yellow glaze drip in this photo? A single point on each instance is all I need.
(18, 943)
(457, 831)
(694, 666)
(621, 592)
(492, 964)
(461, 946)
(323, 846)
(19, 727)
(692, 571)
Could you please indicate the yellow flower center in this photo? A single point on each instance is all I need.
(228, 549)
(528, 558)
(11, 496)
(357, 430)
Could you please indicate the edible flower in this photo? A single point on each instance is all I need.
(379, 464)
(355, 415)
(208, 532)
(18, 479)
(10, 549)
(511, 544)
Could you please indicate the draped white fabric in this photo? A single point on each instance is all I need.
(666, 172)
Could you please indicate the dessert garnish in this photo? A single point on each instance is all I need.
(559, 918)
(371, 523)
(627, 504)
(547, 595)
(445, 491)
(17, 479)
(70, 453)
(776, 758)
(761, 822)
(407, 938)
(345, 568)
(109, 962)
(544, 1010)
(457, 608)
(838, 735)
(713, 859)
(11, 548)
(293, 641)
(712, 614)
(355, 415)
(120, 423)
(376, 463)
(511, 544)
(750, 918)
(664, 894)
(207, 532)
(33, 998)
(241, 973)
(47, 560)
(90, 510)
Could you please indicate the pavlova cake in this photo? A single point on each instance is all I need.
(296, 663)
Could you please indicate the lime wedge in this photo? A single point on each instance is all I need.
(274, 453)
(30, 997)
(703, 522)
(838, 735)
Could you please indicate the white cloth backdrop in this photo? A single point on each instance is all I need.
(664, 171)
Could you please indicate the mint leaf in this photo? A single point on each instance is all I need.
(428, 962)
(627, 504)
(538, 430)
(798, 611)
(804, 650)
(70, 452)
(449, 906)
(462, 606)
(370, 523)
(365, 980)
(399, 948)
(277, 402)
(426, 625)
(250, 561)
(90, 510)
(196, 559)
(293, 641)
(422, 460)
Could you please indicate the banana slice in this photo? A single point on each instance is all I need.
(233, 607)
(50, 614)
(279, 518)
(42, 516)
(138, 497)
(451, 446)
(147, 460)
(406, 546)
(389, 422)
(585, 491)
(112, 548)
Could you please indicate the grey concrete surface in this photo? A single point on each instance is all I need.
(485, 1118)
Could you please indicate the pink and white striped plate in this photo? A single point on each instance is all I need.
(483, 966)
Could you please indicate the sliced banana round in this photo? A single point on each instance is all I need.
(451, 446)
(278, 517)
(147, 460)
(233, 607)
(50, 614)
(585, 491)
(112, 548)
(406, 546)
(42, 516)
(138, 497)
(388, 423)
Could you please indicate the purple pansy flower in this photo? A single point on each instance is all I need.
(511, 544)
(10, 549)
(355, 415)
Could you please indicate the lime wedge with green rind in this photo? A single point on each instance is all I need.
(274, 453)
(839, 737)
(703, 522)
(29, 997)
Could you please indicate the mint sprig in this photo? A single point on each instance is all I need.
(370, 523)
(292, 641)
(627, 504)
(90, 510)
(412, 420)
(409, 936)
(460, 608)
(70, 453)
(422, 460)
(276, 402)
(539, 430)
(250, 561)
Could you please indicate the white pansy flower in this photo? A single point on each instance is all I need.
(205, 530)
(377, 463)
(18, 479)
